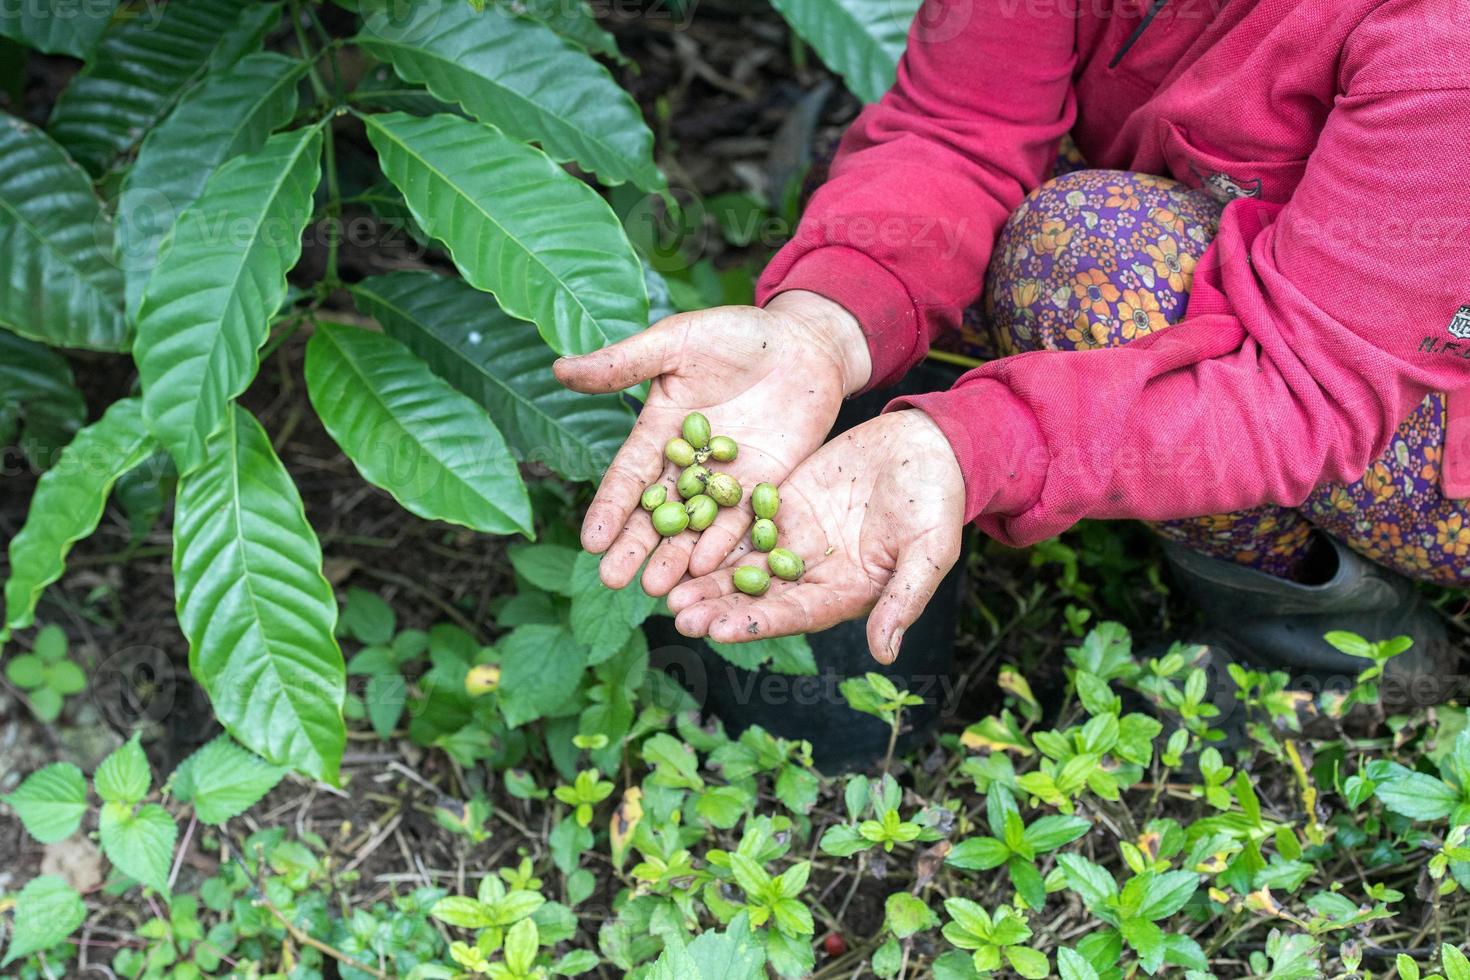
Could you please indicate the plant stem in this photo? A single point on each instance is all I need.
(173, 875)
(309, 55)
(892, 739)
(334, 212)
(333, 102)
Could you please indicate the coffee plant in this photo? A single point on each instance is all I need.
(158, 216)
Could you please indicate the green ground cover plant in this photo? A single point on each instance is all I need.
(1055, 847)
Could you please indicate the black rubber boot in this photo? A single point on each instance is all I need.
(1270, 623)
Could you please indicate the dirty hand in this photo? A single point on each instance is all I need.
(877, 515)
(772, 379)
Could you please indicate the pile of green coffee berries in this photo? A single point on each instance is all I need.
(705, 492)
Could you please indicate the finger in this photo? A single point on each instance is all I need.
(795, 608)
(641, 357)
(626, 556)
(721, 538)
(669, 563)
(916, 576)
(637, 465)
(693, 597)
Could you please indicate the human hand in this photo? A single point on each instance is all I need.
(772, 379)
(877, 514)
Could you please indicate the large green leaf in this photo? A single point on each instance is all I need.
(220, 277)
(36, 386)
(72, 30)
(861, 40)
(517, 225)
(518, 74)
(231, 113)
(68, 504)
(410, 433)
(47, 910)
(502, 363)
(143, 65)
(252, 601)
(58, 281)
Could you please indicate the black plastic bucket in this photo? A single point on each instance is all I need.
(812, 707)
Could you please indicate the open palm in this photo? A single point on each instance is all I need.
(877, 515)
(772, 379)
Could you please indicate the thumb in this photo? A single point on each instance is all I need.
(916, 576)
(639, 358)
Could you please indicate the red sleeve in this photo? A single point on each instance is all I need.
(970, 128)
(1314, 329)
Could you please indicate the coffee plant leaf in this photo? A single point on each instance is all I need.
(518, 226)
(573, 20)
(253, 603)
(503, 364)
(38, 390)
(231, 113)
(141, 67)
(407, 431)
(861, 40)
(220, 278)
(519, 75)
(68, 503)
(73, 31)
(59, 283)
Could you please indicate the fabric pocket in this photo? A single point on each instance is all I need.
(1226, 178)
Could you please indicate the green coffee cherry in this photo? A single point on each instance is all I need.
(702, 511)
(692, 481)
(670, 518)
(785, 564)
(723, 448)
(764, 500)
(752, 580)
(763, 534)
(654, 496)
(725, 489)
(679, 452)
(696, 430)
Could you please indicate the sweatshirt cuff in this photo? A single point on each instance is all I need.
(868, 291)
(996, 440)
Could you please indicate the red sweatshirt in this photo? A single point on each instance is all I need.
(1334, 299)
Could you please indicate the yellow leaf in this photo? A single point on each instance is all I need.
(1261, 901)
(1011, 680)
(482, 679)
(620, 828)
